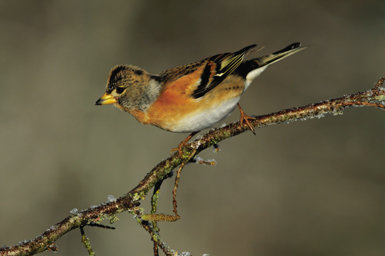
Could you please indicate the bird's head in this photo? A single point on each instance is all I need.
(127, 88)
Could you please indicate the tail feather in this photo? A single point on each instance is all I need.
(250, 69)
(278, 55)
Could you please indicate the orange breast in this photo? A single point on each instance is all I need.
(175, 101)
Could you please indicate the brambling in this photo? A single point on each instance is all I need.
(191, 97)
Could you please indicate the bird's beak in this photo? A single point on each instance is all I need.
(106, 99)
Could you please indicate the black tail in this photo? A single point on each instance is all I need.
(249, 65)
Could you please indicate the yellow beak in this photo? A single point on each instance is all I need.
(106, 99)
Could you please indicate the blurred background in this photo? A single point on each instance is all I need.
(308, 188)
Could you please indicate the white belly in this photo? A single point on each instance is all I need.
(200, 120)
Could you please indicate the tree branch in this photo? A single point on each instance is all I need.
(131, 201)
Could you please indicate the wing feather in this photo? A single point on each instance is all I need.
(225, 64)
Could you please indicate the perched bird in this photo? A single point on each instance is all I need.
(191, 97)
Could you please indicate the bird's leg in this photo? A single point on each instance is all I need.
(183, 143)
(245, 119)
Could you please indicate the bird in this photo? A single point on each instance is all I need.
(192, 97)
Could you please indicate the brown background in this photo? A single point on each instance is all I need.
(308, 188)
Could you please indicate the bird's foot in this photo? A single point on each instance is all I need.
(182, 144)
(245, 119)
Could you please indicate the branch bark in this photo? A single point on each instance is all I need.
(130, 202)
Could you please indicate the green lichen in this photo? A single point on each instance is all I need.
(155, 238)
(87, 243)
(113, 219)
(136, 196)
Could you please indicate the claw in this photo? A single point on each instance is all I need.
(183, 143)
(245, 119)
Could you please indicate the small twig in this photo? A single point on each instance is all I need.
(93, 224)
(202, 161)
(86, 242)
(166, 217)
(176, 183)
(154, 206)
(175, 189)
(155, 236)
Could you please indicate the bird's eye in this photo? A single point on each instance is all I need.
(110, 88)
(119, 90)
